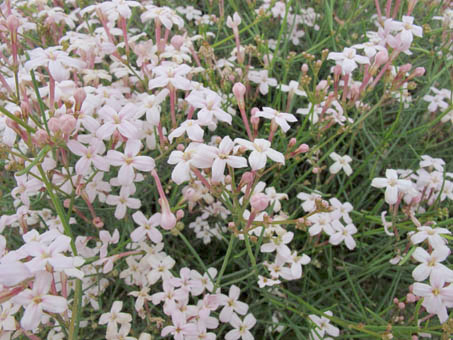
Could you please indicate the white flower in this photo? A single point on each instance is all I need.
(341, 162)
(392, 185)
(260, 151)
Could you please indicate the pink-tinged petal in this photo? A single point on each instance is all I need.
(158, 82)
(226, 314)
(143, 163)
(234, 292)
(76, 148)
(421, 289)
(175, 157)
(421, 255)
(13, 273)
(257, 160)
(226, 145)
(235, 321)
(42, 283)
(180, 173)
(268, 247)
(275, 156)
(139, 218)
(250, 321)
(332, 330)
(195, 132)
(126, 174)
(418, 238)
(314, 229)
(127, 129)
(101, 163)
(218, 169)
(361, 59)
(350, 242)
(82, 166)
(32, 317)
(441, 253)
(133, 203)
(234, 334)
(58, 71)
(391, 174)
(335, 168)
(54, 304)
(133, 147)
(247, 336)
(336, 239)
(249, 145)
(120, 211)
(236, 161)
(391, 195)
(421, 272)
(154, 235)
(379, 182)
(106, 130)
(138, 234)
(241, 308)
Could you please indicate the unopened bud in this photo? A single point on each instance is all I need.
(239, 90)
(419, 71)
(304, 68)
(67, 124)
(292, 142)
(259, 201)
(97, 222)
(179, 214)
(381, 57)
(177, 41)
(12, 22)
(405, 68)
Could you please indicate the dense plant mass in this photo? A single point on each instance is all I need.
(226, 169)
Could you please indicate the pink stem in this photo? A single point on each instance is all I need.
(172, 106)
(246, 123)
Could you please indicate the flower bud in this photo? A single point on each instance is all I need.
(179, 214)
(67, 124)
(259, 201)
(304, 68)
(381, 57)
(177, 41)
(41, 137)
(239, 90)
(12, 22)
(54, 124)
(79, 96)
(419, 71)
(405, 68)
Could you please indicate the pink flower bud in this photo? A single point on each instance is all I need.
(97, 222)
(41, 137)
(180, 147)
(259, 201)
(179, 214)
(255, 120)
(337, 70)
(304, 68)
(381, 57)
(419, 71)
(405, 68)
(292, 142)
(396, 301)
(13, 23)
(79, 96)
(239, 90)
(168, 220)
(254, 111)
(410, 298)
(401, 305)
(54, 124)
(303, 148)
(67, 124)
(247, 178)
(177, 41)
(322, 85)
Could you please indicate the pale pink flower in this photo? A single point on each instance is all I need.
(323, 326)
(341, 162)
(165, 15)
(123, 201)
(436, 297)
(260, 152)
(121, 121)
(232, 304)
(241, 328)
(433, 235)
(431, 263)
(407, 28)
(147, 227)
(183, 161)
(171, 75)
(115, 317)
(209, 103)
(348, 59)
(296, 263)
(342, 233)
(180, 328)
(280, 118)
(262, 78)
(128, 161)
(36, 301)
(160, 268)
(392, 185)
(293, 88)
(90, 154)
(107, 239)
(191, 127)
(279, 244)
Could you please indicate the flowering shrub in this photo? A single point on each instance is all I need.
(258, 169)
